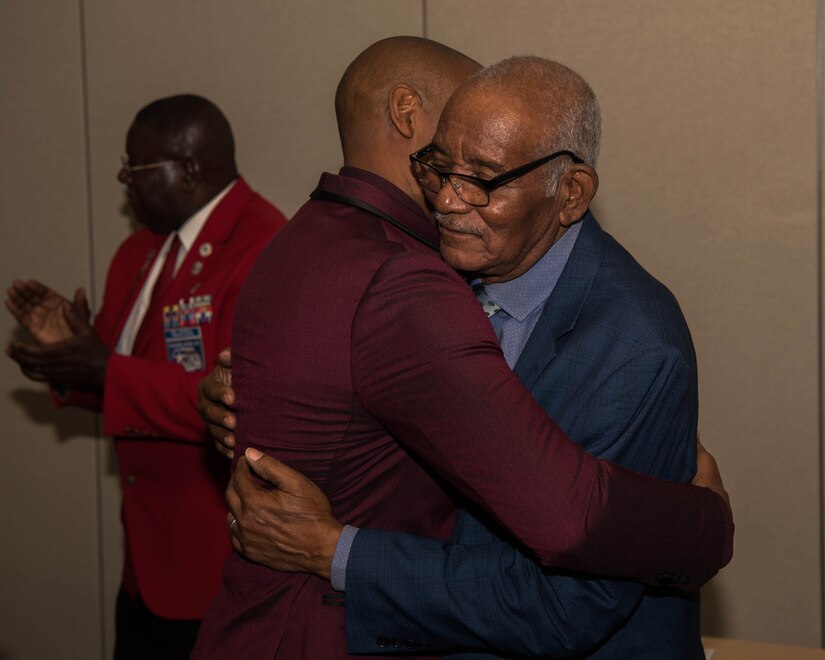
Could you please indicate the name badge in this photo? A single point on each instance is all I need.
(184, 346)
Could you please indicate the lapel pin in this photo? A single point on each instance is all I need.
(197, 267)
(205, 249)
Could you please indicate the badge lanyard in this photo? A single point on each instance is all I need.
(357, 203)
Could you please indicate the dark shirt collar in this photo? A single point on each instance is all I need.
(389, 198)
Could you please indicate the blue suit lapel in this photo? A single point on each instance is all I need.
(564, 305)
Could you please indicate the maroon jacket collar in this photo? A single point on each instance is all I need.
(378, 192)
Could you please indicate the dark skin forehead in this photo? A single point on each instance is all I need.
(488, 130)
(144, 142)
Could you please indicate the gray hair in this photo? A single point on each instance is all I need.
(568, 101)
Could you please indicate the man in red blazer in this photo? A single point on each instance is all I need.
(365, 362)
(167, 310)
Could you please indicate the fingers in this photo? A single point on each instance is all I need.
(224, 439)
(232, 497)
(233, 504)
(51, 363)
(19, 290)
(240, 496)
(31, 371)
(31, 292)
(217, 388)
(81, 305)
(213, 399)
(17, 302)
(223, 447)
(33, 375)
(41, 371)
(30, 353)
(225, 358)
(36, 288)
(707, 472)
(77, 320)
(40, 310)
(272, 470)
(15, 309)
(283, 477)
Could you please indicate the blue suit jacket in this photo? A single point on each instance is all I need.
(611, 359)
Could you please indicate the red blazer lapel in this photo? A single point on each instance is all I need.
(196, 265)
(128, 273)
(201, 259)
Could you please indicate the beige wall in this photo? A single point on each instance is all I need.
(708, 175)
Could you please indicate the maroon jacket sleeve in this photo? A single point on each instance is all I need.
(427, 364)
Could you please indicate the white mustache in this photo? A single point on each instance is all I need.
(456, 223)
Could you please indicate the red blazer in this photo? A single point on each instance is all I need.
(360, 358)
(172, 477)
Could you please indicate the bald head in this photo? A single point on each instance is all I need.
(192, 127)
(431, 70)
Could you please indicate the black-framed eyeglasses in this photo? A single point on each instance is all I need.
(470, 189)
(130, 169)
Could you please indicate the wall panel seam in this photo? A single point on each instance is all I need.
(820, 115)
(92, 298)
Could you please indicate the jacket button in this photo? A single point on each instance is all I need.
(382, 642)
(130, 479)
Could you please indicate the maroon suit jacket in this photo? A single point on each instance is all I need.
(362, 360)
(172, 477)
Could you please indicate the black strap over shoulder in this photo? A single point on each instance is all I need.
(319, 194)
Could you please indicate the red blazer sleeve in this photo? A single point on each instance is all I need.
(151, 398)
(451, 399)
(77, 398)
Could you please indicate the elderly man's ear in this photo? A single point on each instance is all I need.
(577, 188)
(191, 173)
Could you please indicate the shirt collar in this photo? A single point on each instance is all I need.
(370, 188)
(188, 233)
(521, 296)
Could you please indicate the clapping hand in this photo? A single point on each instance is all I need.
(77, 359)
(43, 312)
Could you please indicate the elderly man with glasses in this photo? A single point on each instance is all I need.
(600, 343)
(379, 377)
(167, 310)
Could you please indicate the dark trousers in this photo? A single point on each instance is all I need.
(143, 635)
